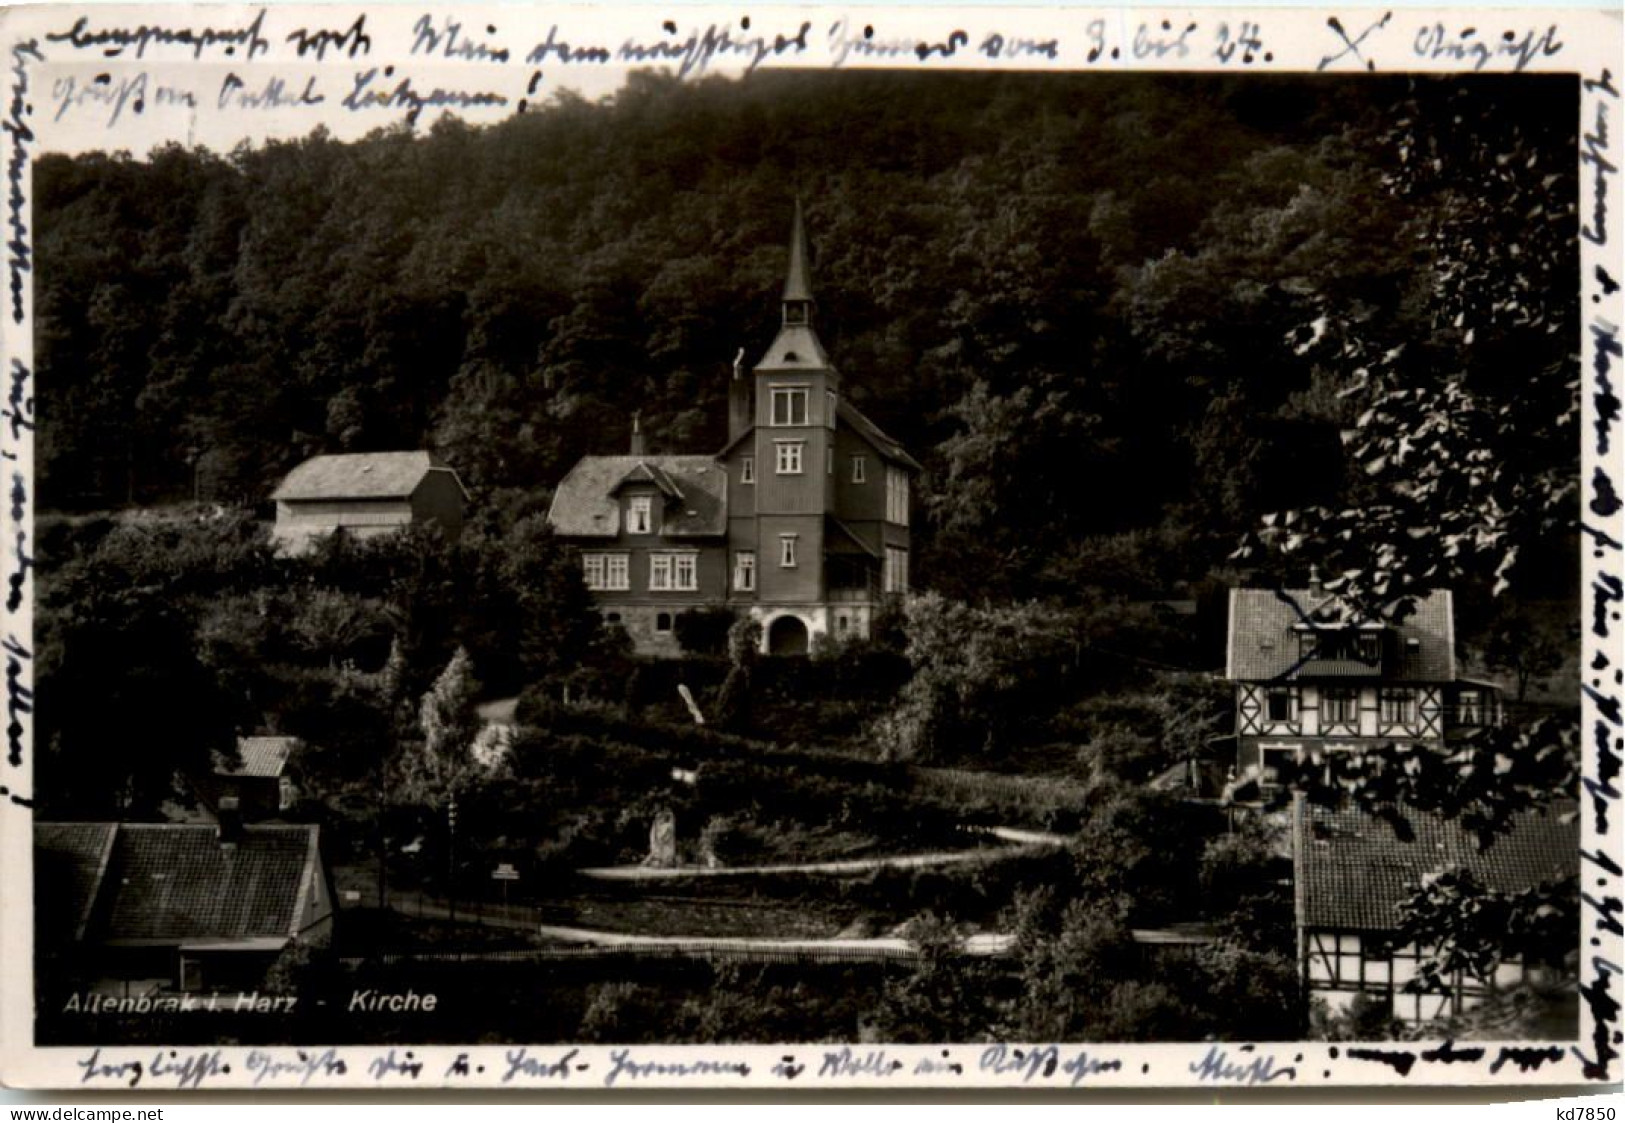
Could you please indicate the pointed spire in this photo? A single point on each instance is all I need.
(798, 279)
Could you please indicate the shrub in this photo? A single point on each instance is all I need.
(704, 631)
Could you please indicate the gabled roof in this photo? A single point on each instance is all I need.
(362, 475)
(859, 424)
(259, 756)
(872, 433)
(1262, 643)
(644, 472)
(1352, 873)
(841, 539)
(69, 861)
(174, 882)
(584, 505)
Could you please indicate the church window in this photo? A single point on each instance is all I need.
(789, 457)
(789, 405)
(787, 551)
(604, 571)
(894, 579)
(639, 514)
(686, 572)
(896, 496)
(673, 573)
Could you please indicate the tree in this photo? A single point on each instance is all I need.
(435, 768)
(1518, 646)
(1463, 446)
(1469, 928)
(942, 998)
(734, 696)
(980, 675)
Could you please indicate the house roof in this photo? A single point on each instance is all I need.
(1351, 871)
(362, 475)
(872, 433)
(70, 859)
(842, 539)
(1265, 623)
(855, 420)
(584, 505)
(643, 472)
(174, 882)
(259, 756)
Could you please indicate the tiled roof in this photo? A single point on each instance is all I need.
(1262, 644)
(172, 882)
(584, 505)
(362, 475)
(872, 433)
(643, 472)
(69, 859)
(840, 539)
(1352, 872)
(259, 756)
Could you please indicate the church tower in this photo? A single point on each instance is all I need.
(797, 393)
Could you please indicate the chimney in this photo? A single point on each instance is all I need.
(741, 400)
(230, 820)
(637, 437)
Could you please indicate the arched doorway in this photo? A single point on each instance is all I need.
(787, 636)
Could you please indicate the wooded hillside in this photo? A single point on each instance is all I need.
(1113, 315)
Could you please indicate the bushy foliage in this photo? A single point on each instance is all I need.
(704, 631)
(978, 674)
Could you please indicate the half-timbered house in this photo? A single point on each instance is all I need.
(1310, 674)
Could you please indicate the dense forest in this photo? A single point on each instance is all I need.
(1117, 318)
(1148, 335)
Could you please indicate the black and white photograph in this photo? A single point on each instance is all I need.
(1021, 560)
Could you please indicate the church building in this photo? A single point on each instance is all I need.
(801, 521)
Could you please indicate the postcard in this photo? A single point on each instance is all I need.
(614, 547)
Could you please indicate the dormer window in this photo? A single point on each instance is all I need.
(1362, 645)
(639, 514)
